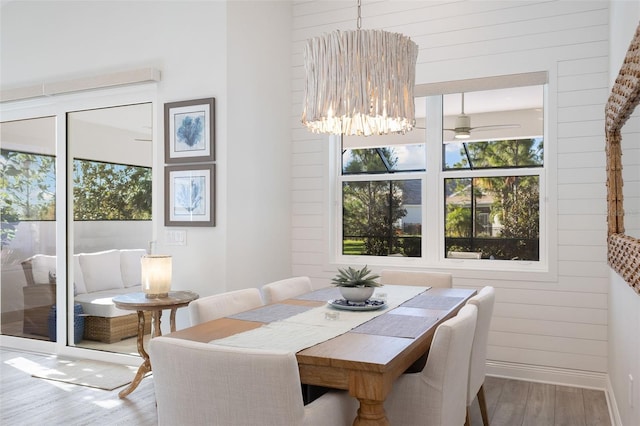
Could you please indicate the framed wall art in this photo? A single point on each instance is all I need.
(189, 195)
(189, 130)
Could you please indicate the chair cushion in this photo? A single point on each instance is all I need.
(101, 270)
(131, 267)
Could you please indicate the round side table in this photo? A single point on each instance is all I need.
(140, 303)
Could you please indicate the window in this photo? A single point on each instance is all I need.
(382, 203)
(465, 184)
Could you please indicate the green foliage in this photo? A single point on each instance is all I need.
(372, 208)
(105, 191)
(458, 221)
(502, 153)
(352, 247)
(350, 277)
(28, 185)
(516, 198)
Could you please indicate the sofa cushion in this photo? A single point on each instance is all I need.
(42, 266)
(101, 270)
(100, 303)
(78, 279)
(130, 266)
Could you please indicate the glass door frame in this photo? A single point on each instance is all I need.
(58, 107)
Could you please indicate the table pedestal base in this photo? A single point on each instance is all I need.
(146, 364)
(371, 413)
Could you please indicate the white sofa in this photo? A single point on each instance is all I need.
(98, 277)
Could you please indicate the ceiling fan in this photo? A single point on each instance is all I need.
(463, 127)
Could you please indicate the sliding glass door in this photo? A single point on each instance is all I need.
(76, 194)
(111, 155)
(28, 203)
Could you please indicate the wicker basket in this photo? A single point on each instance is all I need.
(38, 299)
(114, 329)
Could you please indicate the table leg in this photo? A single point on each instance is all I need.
(172, 319)
(156, 329)
(371, 413)
(146, 364)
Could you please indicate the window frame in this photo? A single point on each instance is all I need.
(433, 179)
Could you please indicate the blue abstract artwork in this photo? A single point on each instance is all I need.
(189, 196)
(189, 131)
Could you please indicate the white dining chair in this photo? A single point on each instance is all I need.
(224, 304)
(205, 384)
(424, 278)
(484, 301)
(437, 395)
(285, 289)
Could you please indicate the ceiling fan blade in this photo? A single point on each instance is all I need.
(494, 126)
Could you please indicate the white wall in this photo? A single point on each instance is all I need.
(555, 320)
(189, 41)
(624, 302)
(259, 147)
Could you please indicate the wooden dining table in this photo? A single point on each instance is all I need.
(363, 361)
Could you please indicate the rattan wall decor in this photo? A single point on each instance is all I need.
(623, 250)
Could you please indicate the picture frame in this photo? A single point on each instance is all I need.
(189, 195)
(189, 131)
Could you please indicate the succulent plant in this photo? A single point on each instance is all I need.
(351, 277)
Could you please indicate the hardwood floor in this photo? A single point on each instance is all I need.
(26, 401)
(520, 403)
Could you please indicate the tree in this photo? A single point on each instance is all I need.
(371, 209)
(106, 191)
(515, 198)
(28, 184)
(516, 201)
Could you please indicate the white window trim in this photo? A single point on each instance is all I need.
(432, 248)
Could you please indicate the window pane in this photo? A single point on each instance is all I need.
(493, 217)
(29, 186)
(401, 158)
(493, 154)
(106, 191)
(28, 201)
(382, 218)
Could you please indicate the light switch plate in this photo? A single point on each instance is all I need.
(176, 237)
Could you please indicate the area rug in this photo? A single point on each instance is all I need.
(95, 374)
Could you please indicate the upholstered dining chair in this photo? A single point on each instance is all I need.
(437, 395)
(286, 289)
(484, 301)
(221, 305)
(430, 279)
(205, 384)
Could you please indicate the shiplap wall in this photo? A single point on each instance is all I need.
(557, 321)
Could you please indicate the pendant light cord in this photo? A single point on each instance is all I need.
(359, 21)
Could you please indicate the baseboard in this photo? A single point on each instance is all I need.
(552, 375)
(559, 376)
(614, 414)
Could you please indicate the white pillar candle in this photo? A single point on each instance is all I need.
(156, 275)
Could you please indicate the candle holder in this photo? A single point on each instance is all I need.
(156, 275)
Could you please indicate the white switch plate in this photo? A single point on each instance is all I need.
(176, 237)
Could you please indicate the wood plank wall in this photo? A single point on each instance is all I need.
(554, 322)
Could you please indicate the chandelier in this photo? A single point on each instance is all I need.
(359, 83)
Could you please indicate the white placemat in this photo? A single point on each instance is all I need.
(310, 328)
